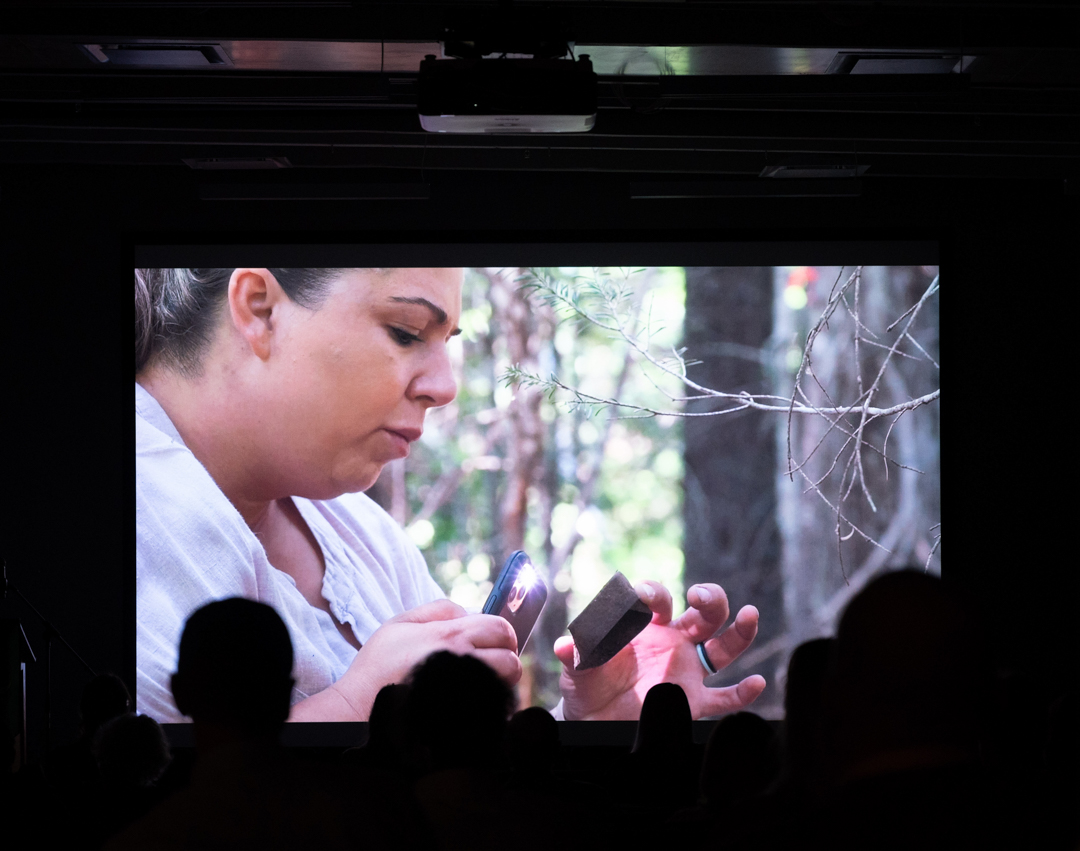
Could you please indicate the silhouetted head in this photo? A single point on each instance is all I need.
(808, 670)
(740, 759)
(105, 697)
(386, 723)
(132, 751)
(908, 669)
(457, 710)
(532, 740)
(665, 724)
(235, 667)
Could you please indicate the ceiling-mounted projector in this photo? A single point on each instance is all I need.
(507, 95)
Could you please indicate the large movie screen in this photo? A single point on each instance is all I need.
(700, 464)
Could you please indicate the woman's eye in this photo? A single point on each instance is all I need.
(403, 337)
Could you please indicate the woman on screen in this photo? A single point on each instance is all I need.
(267, 401)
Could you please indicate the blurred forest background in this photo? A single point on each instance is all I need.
(588, 489)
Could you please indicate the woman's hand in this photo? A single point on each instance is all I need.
(406, 640)
(665, 652)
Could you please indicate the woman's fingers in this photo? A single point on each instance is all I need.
(438, 610)
(732, 698)
(656, 597)
(730, 644)
(707, 612)
(487, 631)
(505, 663)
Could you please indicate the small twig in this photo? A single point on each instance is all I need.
(869, 539)
(852, 465)
(933, 288)
(804, 365)
(898, 352)
(933, 549)
(921, 349)
(885, 443)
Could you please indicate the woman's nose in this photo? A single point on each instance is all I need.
(436, 385)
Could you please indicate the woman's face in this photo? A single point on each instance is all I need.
(353, 379)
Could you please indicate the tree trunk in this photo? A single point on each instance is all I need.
(731, 534)
(525, 329)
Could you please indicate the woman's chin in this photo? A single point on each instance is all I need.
(357, 481)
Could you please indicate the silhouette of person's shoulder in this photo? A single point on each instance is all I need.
(242, 797)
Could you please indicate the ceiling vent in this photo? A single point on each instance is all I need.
(315, 192)
(745, 189)
(893, 63)
(810, 167)
(236, 163)
(158, 55)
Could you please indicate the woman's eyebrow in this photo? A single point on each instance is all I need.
(437, 312)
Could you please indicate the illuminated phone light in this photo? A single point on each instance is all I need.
(526, 579)
(528, 575)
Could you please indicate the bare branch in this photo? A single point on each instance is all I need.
(885, 443)
(514, 376)
(883, 346)
(836, 508)
(933, 549)
(602, 301)
(822, 322)
(921, 349)
(930, 290)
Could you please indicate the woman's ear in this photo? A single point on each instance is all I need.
(254, 297)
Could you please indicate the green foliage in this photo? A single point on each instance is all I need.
(634, 521)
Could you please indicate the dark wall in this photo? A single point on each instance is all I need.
(1008, 267)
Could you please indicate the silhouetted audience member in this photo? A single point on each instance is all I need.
(801, 747)
(234, 674)
(796, 759)
(73, 766)
(901, 715)
(132, 753)
(664, 763)
(81, 811)
(533, 746)
(457, 710)
(456, 713)
(583, 814)
(739, 764)
(386, 745)
(234, 680)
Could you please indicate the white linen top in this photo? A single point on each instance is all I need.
(192, 546)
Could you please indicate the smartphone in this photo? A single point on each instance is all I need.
(519, 596)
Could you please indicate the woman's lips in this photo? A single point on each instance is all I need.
(409, 434)
(401, 438)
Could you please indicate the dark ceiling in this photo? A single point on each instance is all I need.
(324, 92)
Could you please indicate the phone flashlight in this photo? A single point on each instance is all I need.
(519, 596)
